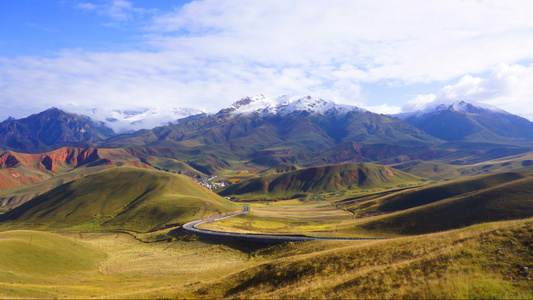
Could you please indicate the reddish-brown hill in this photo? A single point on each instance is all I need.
(18, 169)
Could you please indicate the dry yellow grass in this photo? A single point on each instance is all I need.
(286, 217)
(480, 262)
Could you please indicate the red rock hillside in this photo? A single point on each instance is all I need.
(17, 169)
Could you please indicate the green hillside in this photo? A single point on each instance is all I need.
(121, 198)
(409, 198)
(445, 206)
(320, 179)
(280, 168)
(504, 202)
(15, 196)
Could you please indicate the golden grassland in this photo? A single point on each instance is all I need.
(488, 260)
(482, 261)
(317, 218)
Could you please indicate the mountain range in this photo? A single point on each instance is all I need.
(257, 133)
(467, 121)
(324, 123)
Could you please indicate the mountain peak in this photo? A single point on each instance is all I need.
(461, 106)
(468, 120)
(285, 105)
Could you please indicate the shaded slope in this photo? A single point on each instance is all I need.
(254, 137)
(409, 198)
(120, 198)
(503, 202)
(320, 179)
(51, 127)
(466, 121)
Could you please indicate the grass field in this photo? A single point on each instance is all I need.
(483, 261)
(317, 218)
(480, 262)
(487, 260)
(123, 198)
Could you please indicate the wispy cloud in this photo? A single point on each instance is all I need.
(118, 10)
(210, 53)
(507, 87)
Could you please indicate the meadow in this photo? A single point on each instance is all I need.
(124, 258)
(489, 260)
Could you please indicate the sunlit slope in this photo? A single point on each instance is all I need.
(321, 179)
(479, 262)
(33, 256)
(470, 166)
(121, 198)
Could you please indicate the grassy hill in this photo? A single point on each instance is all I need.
(10, 198)
(445, 206)
(24, 176)
(280, 168)
(319, 180)
(480, 262)
(507, 201)
(120, 198)
(409, 198)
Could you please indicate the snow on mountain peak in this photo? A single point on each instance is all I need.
(285, 105)
(468, 107)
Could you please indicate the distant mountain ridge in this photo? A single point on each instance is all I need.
(50, 128)
(473, 122)
(249, 130)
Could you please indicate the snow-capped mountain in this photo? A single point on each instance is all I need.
(131, 120)
(285, 105)
(468, 107)
(471, 121)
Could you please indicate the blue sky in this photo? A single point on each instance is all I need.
(385, 56)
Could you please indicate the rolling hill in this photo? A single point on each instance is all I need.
(24, 176)
(319, 180)
(124, 198)
(450, 205)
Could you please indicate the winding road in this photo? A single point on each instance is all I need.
(191, 228)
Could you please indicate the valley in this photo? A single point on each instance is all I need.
(86, 213)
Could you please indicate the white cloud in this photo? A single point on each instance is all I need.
(384, 109)
(207, 54)
(86, 6)
(507, 87)
(118, 10)
(418, 103)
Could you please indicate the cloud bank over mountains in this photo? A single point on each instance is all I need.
(207, 54)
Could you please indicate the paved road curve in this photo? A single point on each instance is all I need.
(191, 227)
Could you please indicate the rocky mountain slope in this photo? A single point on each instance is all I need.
(50, 128)
(466, 121)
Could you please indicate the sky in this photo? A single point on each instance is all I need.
(385, 56)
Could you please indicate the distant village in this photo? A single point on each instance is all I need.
(210, 184)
